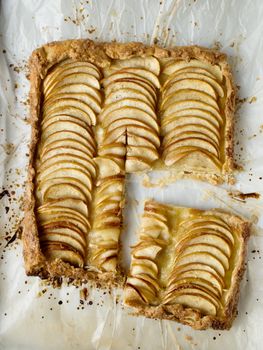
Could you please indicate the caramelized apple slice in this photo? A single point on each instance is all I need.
(124, 93)
(57, 250)
(175, 66)
(188, 95)
(147, 63)
(193, 76)
(127, 102)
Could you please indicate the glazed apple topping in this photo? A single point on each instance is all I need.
(186, 256)
(192, 116)
(88, 143)
(65, 166)
(129, 116)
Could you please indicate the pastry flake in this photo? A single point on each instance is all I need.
(187, 265)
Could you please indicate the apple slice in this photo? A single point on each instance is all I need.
(175, 66)
(192, 104)
(194, 157)
(126, 113)
(137, 164)
(102, 254)
(63, 117)
(74, 157)
(65, 228)
(116, 148)
(141, 127)
(48, 218)
(151, 281)
(213, 238)
(127, 102)
(63, 238)
(141, 282)
(57, 191)
(107, 166)
(148, 251)
(154, 231)
(53, 152)
(73, 203)
(193, 112)
(149, 63)
(110, 185)
(196, 273)
(193, 300)
(131, 84)
(68, 134)
(188, 248)
(106, 222)
(107, 205)
(195, 70)
(138, 269)
(76, 78)
(212, 225)
(141, 287)
(59, 72)
(66, 144)
(74, 173)
(149, 216)
(72, 111)
(81, 96)
(194, 76)
(184, 268)
(206, 285)
(149, 153)
(189, 95)
(75, 89)
(202, 257)
(57, 250)
(105, 234)
(125, 93)
(168, 125)
(196, 141)
(71, 63)
(192, 130)
(71, 102)
(56, 210)
(142, 132)
(61, 125)
(110, 264)
(150, 264)
(188, 84)
(104, 197)
(133, 73)
(135, 140)
(66, 161)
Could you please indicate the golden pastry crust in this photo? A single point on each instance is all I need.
(102, 54)
(194, 317)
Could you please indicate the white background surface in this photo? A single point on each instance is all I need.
(28, 321)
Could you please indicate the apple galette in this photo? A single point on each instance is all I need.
(187, 265)
(99, 111)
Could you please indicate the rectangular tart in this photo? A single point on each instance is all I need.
(187, 265)
(99, 111)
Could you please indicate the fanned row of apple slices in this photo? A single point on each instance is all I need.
(203, 249)
(129, 115)
(65, 162)
(191, 116)
(143, 284)
(107, 221)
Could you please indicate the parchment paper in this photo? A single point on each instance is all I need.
(35, 316)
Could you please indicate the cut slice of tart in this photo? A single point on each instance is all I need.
(187, 265)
